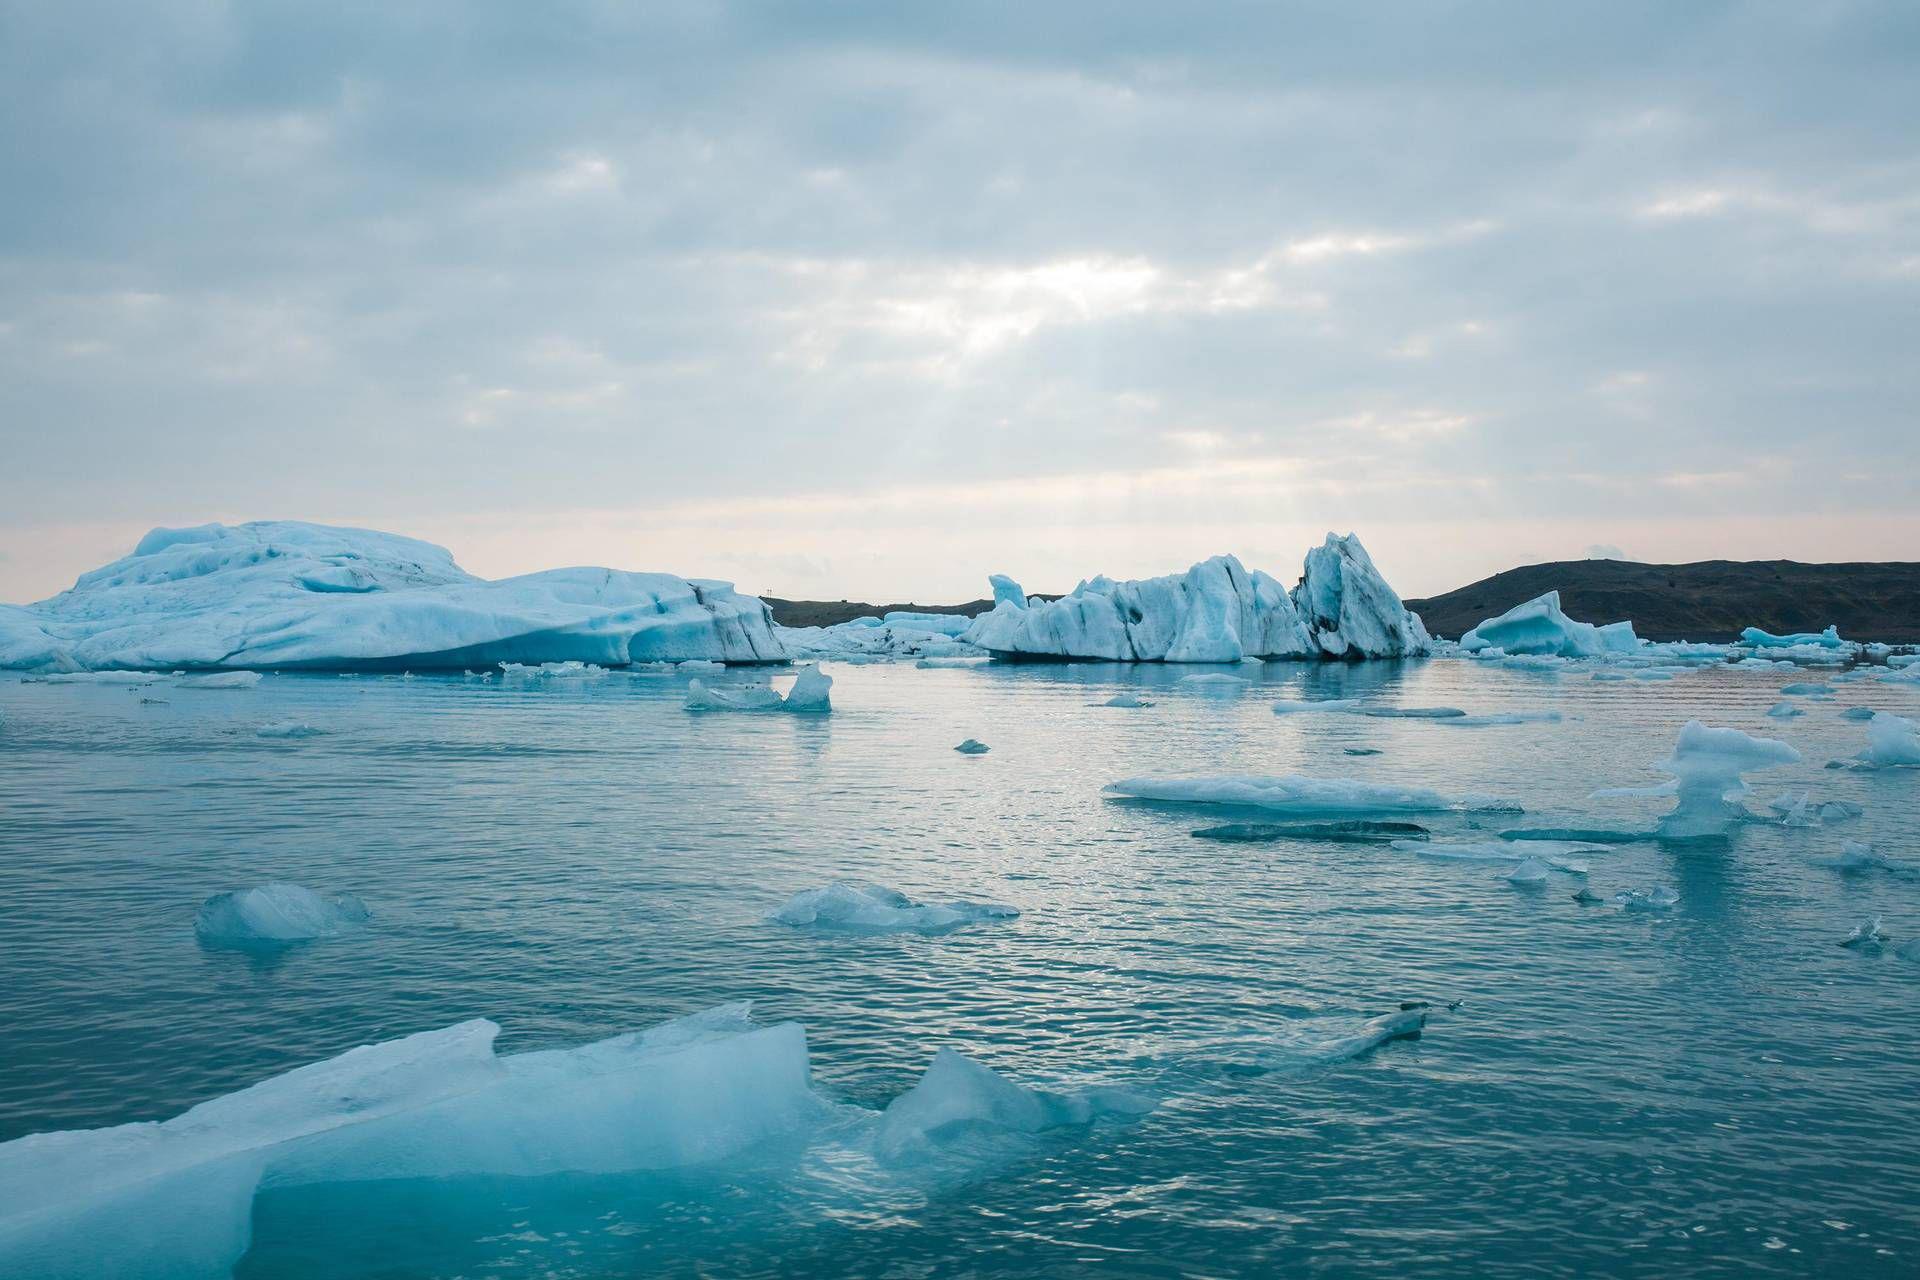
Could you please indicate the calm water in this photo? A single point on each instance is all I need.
(1718, 1091)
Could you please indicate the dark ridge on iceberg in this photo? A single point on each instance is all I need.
(1710, 601)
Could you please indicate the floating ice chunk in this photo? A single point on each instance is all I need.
(700, 664)
(555, 671)
(1213, 678)
(1586, 897)
(973, 747)
(1416, 713)
(1287, 706)
(1554, 855)
(1807, 689)
(1865, 934)
(1215, 612)
(1360, 751)
(1500, 718)
(1755, 638)
(1854, 856)
(287, 729)
(1784, 711)
(100, 677)
(810, 694)
(1903, 675)
(1658, 898)
(1289, 793)
(1857, 713)
(863, 906)
(951, 625)
(224, 680)
(1612, 676)
(1352, 831)
(1839, 810)
(1528, 873)
(174, 1199)
(958, 1095)
(1539, 627)
(1125, 700)
(1533, 662)
(957, 662)
(1892, 741)
(276, 914)
(1706, 767)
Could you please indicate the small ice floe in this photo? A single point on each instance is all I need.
(1658, 898)
(1586, 897)
(220, 680)
(276, 914)
(958, 1097)
(1415, 713)
(1360, 751)
(287, 729)
(1865, 934)
(1289, 706)
(1857, 713)
(1528, 873)
(1807, 689)
(1500, 717)
(99, 677)
(933, 664)
(1212, 678)
(1288, 793)
(155, 702)
(549, 671)
(1555, 856)
(1784, 711)
(810, 694)
(1532, 662)
(1125, 700)
(1854, 856)
(1611, 676)
(1353, 831)
(699, 664)
(1705, 770)
(1892, 742)
(862, 906)
(973, 747)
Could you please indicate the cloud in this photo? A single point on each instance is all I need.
(436, 264)
(1605, 551)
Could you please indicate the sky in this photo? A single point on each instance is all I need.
(866, 301)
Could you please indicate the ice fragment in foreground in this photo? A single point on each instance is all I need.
(1892, 741)
(973, 747)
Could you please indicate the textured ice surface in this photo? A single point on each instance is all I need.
(287, 594)
(1892, 741)
(860, 905)
(1289, 793)
(174, 1199)
(1755, 638)
(1215, 612)
(1539, 627)
(957, 1094)
(897, 637)
(1530, 872)
(1556, 855)
(275, 914)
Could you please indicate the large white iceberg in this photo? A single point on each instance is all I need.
(1217, 611)
(1540, 627)
(284, 594)
(1892, 741)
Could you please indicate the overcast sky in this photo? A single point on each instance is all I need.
(871, 300)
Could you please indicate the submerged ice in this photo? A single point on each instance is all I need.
(863, 906)
(276, 914)
(1287, 793)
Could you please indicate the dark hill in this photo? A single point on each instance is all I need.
(1709, 601)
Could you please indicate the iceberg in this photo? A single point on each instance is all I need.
(1216, 612)
(1539, 627)
(863, 906)
(284, 594)
(1755, 638)
(1892, 741)
(1288, 793)
(174, 1199)
(1706, 767)
(810, 694)
(276, 914)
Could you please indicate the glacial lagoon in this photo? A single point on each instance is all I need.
(1708, 1086)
